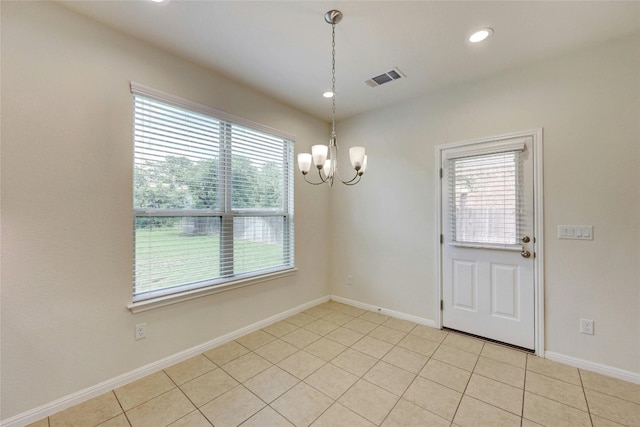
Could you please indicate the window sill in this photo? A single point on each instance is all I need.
(150, 304)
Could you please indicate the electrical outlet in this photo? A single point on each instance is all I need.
(349, 280)
(141, 331)
(586, 326)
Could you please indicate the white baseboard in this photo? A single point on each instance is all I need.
(106, 386)
(388, 312)
(633, 377)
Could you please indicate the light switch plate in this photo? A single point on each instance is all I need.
(575, 232)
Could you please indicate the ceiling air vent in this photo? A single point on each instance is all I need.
(387, 77)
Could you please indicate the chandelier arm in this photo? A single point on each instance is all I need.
(353, 181)
(349, 181)
(323, 181)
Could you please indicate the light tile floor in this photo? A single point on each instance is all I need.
(337, 365)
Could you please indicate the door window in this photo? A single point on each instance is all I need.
(485, 198)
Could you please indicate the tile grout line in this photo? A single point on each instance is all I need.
(120, 404)
(412, 381)
(524, 388)
(301, 380)
(188, 398)
(361, 377)
(334, 401)
(464, 392)
(584, 393)
(379, 360)
(257, 397)
(418, 375)
(268, 404)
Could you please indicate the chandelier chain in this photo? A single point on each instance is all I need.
(333, 79)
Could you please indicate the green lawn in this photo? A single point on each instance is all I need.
(166, 257)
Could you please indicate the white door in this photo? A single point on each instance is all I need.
(488, 240)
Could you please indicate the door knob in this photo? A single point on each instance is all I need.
(525, 253)
(526, 239)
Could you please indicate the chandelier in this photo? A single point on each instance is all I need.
(325, 158)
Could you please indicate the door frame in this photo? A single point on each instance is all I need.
(538, 226)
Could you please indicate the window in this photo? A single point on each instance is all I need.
(485, 194)
(212, 197)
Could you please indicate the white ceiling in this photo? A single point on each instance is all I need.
(283, 48)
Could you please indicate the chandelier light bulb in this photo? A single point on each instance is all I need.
(319, 153)
(327, 168)
(356, 155)
(304, 162)
(364, 166)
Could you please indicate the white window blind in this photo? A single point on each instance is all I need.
(485, 197)
(213, 198)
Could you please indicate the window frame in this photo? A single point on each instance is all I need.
(225, 211)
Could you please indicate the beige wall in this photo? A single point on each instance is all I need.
(66, 208)
(588, 104)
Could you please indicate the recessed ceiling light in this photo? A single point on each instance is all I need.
(157, 1)
(480, 35)
(328, 94)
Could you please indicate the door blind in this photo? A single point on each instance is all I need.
(485, 198)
